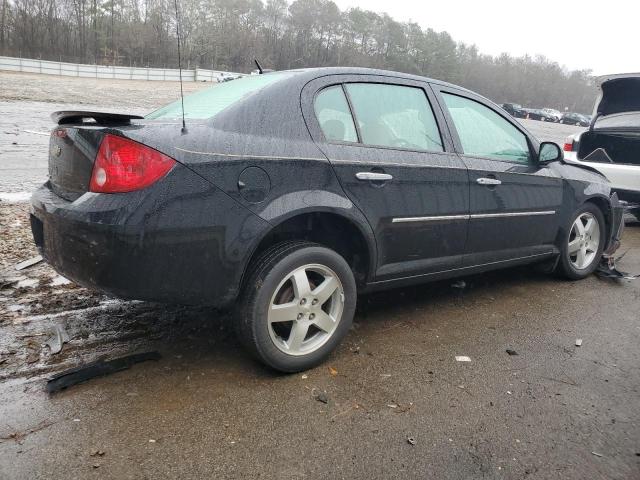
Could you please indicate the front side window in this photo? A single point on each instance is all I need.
(394, 116)
(334, 116)
(484, 133)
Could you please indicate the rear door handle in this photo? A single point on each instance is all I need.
(374, 176)
(488, 181)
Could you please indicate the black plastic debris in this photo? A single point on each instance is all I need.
(97, 369)
(607, 269)
(512, 352)
(321, 396)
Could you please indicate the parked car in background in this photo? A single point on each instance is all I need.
(554, 113)
(612, 144)
(288, 194)
(538, 114)
(571, 118)
(514, 109)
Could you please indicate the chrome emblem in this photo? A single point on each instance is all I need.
(56, 150)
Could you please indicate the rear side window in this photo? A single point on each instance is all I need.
(484, 133)
(334, 115)
(394, 116)
(211, 101)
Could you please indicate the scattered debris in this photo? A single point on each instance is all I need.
(355, 349)
(333, 371)
(578, 342)
(411, 440)
(29, 263)
(321, 396)
(20, 436)
(509, 392)
(392, 405)
(459, 284)
(151, 440)
(607, 269)
(97, 369)
(305, 376)
(597, 454)
(57, 339)
(96, 465)
(462, 358)
(96, 453)
(512, 352)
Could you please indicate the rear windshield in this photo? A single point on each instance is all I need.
(211, 101)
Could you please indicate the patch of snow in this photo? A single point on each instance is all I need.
(28, 283)
(60, 280)
(15, 197)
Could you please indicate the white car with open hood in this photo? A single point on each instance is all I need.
(611, 144)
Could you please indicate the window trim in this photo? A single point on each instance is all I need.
(442, 90)
(360, 143)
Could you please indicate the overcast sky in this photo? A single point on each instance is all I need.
(600, 35)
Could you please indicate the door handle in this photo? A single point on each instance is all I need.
(375, 176)
(488, 181)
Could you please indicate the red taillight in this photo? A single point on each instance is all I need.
(123, 165)
(568, 146)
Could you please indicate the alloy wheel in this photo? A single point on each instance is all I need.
(305, 309)
(584, 240)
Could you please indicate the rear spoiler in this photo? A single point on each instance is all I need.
(67, 117)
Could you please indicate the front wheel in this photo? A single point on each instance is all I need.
(583, 243)
(297, 305)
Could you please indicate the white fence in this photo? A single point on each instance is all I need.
(101, 71)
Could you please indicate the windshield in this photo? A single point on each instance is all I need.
(209, 102)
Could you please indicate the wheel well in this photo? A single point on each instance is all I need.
(328, 229)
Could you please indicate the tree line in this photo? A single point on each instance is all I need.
(229, 34)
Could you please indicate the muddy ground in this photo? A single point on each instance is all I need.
(399, 405)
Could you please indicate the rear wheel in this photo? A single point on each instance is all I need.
(583, 243)
(297, 305)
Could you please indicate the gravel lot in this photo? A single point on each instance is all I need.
(399, 406)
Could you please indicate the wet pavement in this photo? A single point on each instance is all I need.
(207, 410)
(398, 404)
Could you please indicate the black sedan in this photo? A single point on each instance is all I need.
(515, 110)
(287, 194)
(538, 114)
(576, 119)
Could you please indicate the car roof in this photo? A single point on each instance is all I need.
(309, 74)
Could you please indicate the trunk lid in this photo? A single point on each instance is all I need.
(72, 151)
(73, 147)
(618, 94)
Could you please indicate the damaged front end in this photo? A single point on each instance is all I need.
(607, 267)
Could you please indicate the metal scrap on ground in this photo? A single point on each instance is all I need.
(29, 263)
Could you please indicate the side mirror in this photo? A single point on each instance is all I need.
(550, 152)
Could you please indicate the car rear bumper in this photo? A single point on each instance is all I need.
(148, 247)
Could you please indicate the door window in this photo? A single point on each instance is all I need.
(334, 116)
(394, 116)
(484, 133)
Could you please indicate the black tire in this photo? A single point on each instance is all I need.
(565, 267)
(265, 275)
